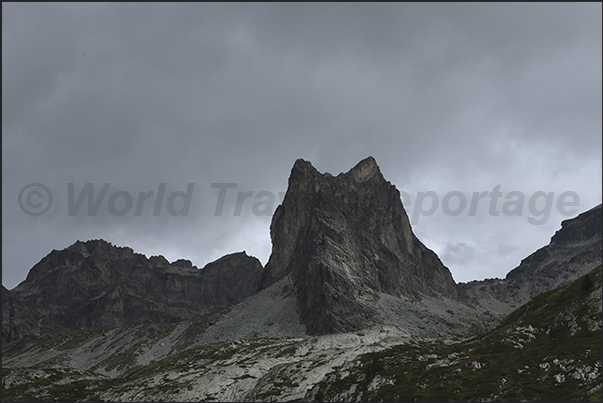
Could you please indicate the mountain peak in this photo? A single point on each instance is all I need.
(97, 284)
(303, 165)
(100, 247)
(365, 169)
(344, 239)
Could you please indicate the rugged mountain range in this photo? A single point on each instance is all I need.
(96, 284)
(346, 277)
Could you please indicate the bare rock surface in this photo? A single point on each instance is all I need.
(345, 239)
(95, 284)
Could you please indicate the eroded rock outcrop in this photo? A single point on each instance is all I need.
(96, 284)
(344, 239)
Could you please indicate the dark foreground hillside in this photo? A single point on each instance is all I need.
(548, 350)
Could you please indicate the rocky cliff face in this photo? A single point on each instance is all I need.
(96, 284)
(574, 250)
(344, 239)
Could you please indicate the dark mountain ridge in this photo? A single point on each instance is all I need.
(97, 284)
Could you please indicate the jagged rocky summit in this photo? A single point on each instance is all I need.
(97, 284)
(343, 240)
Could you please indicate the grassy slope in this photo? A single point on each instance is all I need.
(543, 351)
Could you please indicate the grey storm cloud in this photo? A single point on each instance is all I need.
(446, 97)
(457, 253)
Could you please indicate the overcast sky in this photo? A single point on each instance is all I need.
(446, 97)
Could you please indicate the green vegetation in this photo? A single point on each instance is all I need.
(544, 351)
